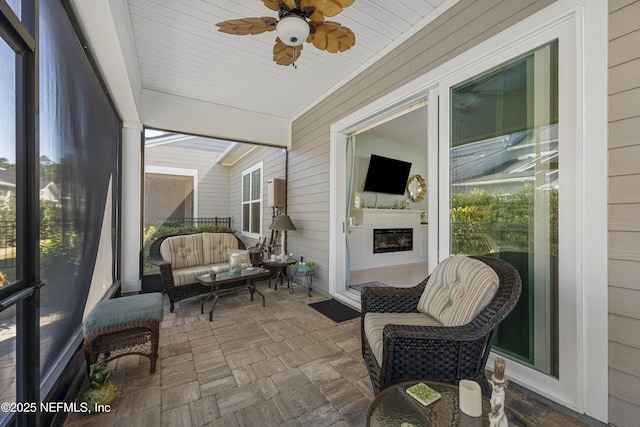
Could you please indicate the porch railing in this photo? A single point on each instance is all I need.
(190, 222)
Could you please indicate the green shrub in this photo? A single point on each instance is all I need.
(482, 222)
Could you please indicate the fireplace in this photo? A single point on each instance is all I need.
(392, 240)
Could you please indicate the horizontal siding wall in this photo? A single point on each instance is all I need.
(624, 212)
(274, 165)
(463, 26)
(213, 179)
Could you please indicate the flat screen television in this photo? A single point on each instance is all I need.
(387, 175)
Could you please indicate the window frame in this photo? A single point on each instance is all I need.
(249, 171)
(20, 34)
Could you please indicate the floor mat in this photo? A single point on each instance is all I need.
(335, 310)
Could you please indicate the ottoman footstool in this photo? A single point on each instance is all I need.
(123, 326)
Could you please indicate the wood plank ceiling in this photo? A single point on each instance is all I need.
(180, 52)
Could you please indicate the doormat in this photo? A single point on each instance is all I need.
(373, 284)
(335, 310)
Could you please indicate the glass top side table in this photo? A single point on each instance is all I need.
(302, 278)
(393, 407)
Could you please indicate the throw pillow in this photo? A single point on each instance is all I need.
(245, 257)
(458, 290)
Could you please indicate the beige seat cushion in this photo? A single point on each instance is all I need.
(458, 289)
(215, 247)
(187, 275)
(182, 251)
(374, 324)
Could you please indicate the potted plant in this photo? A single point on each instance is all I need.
(102, 390)
(304, 267)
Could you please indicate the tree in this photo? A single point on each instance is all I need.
(5, 164)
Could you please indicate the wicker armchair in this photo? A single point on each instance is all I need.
(438, 353)
(176, 293)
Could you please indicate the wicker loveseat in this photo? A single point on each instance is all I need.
(401, 342)
(183, 257)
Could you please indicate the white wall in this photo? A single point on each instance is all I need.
(366, 145)
(183, 115)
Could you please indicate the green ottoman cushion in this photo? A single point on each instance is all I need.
(125, 309)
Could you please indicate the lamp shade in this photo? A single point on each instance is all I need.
(292, 30)
(282, 222)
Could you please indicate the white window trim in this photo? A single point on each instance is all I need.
(167, 170)
(587, 19)
(259, 165)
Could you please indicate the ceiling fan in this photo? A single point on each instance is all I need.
(299, 21)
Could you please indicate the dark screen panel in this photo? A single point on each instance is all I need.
(79, 143)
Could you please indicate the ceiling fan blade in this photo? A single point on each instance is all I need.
(285, 55)
(332, 37)
(331, 7)
(275, 4)
(317, 15)
(248, 25)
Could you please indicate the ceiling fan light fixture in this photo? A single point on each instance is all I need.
(293, 30)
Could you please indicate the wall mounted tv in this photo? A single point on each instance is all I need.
(387, 175)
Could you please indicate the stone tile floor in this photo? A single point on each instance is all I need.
(281, 365)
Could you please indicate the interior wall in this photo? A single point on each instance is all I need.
(460, 28)
(366, 145)
(624, 212)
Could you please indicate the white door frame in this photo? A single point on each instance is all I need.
(581, 23)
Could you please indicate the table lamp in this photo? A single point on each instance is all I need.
(282, 223)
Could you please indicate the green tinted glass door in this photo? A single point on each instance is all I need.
(504, 189)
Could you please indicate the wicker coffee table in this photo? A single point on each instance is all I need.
(230, 283)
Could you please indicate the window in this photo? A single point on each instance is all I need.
(169, 197)
(252, 201)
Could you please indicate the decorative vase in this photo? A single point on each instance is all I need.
(100, 397)
(234, 265)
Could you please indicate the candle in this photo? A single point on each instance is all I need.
(498, 368)
(470, 401)
(273, 258)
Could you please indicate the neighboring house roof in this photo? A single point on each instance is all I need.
(7, 178)
(7, 183)
(48, 189)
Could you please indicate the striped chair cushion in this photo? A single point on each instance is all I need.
(458, 289)
(182, 251)
(215, 247)
(374, 324)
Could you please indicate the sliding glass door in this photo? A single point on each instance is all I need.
(504, 190)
